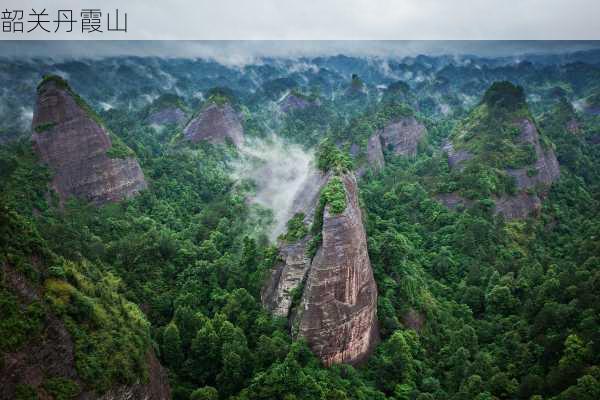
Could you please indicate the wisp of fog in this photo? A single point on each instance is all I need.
(279, 170)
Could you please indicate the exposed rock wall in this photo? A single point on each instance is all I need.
(75, 147)
(216, 123)
(338, 306)
(455, 157)
(291, 272)
(293, 102)
(170, 115)
(375, 153)
(403, 136)
(546, 166)
(337, 313)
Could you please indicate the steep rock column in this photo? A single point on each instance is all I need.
(337, 313)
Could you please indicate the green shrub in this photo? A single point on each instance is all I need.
(61, 388)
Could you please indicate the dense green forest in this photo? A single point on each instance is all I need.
(471, 306)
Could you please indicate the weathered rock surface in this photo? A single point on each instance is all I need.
(542, 174)
(375, 153)
(75, 147)
(167, 116)
(519, 206)
(337, 313)
(291, 272)
(338, 306)
(216, 123)
(293, 102)
(403, 137)
(455, 157)
(546, 165)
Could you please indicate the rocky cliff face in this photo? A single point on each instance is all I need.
(546, 168)
(70, 139)
(291, 271)
(167, 116)
(337, 313)
(338, 306)
(375, 153)
(402, 137)
(215, 123)
(293, 102)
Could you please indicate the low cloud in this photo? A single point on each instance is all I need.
(279, 170)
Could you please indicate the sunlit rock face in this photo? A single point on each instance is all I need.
(403, 137)
(75, 146)
(216, 123)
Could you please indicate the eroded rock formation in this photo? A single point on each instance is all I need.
(545, 171)
(338, 304)
(70, 138)
(215, 123)
(293, 102)
(166, 116)
(337, 312)
(402, 137)
(375, 153)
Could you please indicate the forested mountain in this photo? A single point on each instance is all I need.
(312, 228)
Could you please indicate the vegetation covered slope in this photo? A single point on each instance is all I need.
(470, 306)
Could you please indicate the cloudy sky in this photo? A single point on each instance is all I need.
(332, 19)
(244, 52)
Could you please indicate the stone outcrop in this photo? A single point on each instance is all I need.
(215, 123)
(546, 166)
(519, 206)
(375, 153)
(293, 102)
(402, 137)
(526, 202)
(337, 314)
(69, 137)
(291, 271)
(338, 303)
(167, 116)
(455, 157)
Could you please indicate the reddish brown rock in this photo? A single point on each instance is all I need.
(337, 313)
(74, 145)
(291, 271)
(403, 137)
(215, 123)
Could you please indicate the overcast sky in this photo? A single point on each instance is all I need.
(245, 52)
(333, 19)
